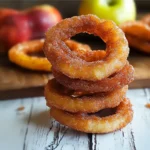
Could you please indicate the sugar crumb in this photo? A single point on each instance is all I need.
(20, 108)
(147, 105)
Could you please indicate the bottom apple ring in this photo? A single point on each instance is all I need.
(55, 97)
(94, 124)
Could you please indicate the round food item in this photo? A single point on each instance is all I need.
(20, 54)
(94, 124)
(138, 35)
(118, 80)
(146, 19)
(137, 29)
(139, 44)
(68, 63)
(67, 101)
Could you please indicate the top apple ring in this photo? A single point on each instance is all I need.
(70, 64)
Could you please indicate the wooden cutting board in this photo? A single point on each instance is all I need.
(13, 77)
(141, 64)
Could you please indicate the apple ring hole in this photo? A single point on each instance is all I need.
(39, 53)
(96, 47)
(72, 93)
(95, 42)
(77, 93)
(104, 113)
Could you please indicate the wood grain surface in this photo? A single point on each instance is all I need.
(33, 129)
(14, 77)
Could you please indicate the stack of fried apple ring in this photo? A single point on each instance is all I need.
(88, 81)
(138, 34)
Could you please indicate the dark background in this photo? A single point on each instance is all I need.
(68, 8)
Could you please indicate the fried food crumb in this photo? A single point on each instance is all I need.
(20, 108)
(147, 105)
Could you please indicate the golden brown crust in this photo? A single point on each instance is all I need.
(84, 74)
(139, 44)
(90, 103)
(138, 35)
(73, 66)
(137, 29)
(94, 124)
(18, 54)
(120, 79)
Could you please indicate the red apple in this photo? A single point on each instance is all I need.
(14, 29)
(41, 18)
(6, 12)
(19, 26)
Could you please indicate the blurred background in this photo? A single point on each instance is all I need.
(66, 7)
(20, 76)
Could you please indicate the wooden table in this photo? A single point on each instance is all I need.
(32, 129)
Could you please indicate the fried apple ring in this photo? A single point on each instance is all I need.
(137, 29)
(139, 44)
(90, 103)
(118, 80)
(146, 19)
(19, 54)
(138, 35)
(94, 124)
(63, 60)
